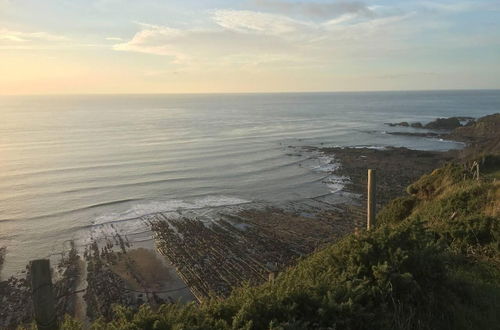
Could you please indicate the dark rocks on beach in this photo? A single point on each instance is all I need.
(243, 247)
(439, 123)
(2, 256)
(403, 123)
(469, 119)
(427, 134)
(69, 272)
(396, 168)
(406, 124)
(104, 287)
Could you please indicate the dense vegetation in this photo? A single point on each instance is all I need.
(432, 263)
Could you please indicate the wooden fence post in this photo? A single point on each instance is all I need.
(371, 209)
(43, 296)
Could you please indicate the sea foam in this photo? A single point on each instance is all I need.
(135, 220)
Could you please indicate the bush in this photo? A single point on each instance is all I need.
(397, 210)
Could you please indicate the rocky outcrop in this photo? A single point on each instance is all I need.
(439, 123)
(403, 123)
(444, 123)
(426, 134)
(481, 135)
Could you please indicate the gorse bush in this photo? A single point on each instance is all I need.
(414, 271)
(396, 210)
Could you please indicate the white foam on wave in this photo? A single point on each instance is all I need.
(370, 147)
(336, 183)
(451, 141)
(375, 147)
(134, 220)
(328, 164)
(142, 209)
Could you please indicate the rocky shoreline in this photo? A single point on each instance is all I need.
(396, 168)
(439, 123)
(251, 245)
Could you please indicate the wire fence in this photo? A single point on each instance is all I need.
(127, 290)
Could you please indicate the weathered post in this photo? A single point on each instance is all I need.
(370, 212)
(43, 296)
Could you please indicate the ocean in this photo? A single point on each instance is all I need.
(72, 164)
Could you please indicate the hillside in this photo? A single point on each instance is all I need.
(481, 135)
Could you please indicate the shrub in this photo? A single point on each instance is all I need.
(397, 210)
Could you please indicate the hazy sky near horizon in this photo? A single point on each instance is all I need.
(159, 46)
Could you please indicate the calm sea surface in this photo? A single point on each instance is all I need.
(70, 163)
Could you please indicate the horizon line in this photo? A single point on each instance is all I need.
(251, 93)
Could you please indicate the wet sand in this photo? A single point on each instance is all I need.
(129, 274)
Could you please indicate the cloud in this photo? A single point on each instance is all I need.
(114, 38)
(258, 22)
(20, 36)
(154, 39)
(206, 47)
(321, 10)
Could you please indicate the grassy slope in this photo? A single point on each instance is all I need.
(432, 263)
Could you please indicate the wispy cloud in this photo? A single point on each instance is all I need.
(155, 39)
(114, 38)
(259, 22)
(22, 36)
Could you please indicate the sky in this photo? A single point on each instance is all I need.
(174, 46)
